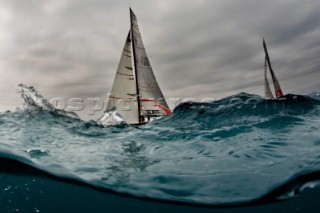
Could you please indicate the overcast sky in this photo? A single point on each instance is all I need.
(198, 49)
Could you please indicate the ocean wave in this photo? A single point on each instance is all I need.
(238, 149)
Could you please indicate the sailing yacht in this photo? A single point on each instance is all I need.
(277, 88)
(135, 96)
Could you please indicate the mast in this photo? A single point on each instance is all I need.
(277, 87)
(135, 69)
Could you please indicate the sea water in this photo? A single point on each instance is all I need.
(236, 150)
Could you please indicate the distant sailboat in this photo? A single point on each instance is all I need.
(136, 95)
(277, 88)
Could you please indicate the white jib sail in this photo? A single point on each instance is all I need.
(123, 94)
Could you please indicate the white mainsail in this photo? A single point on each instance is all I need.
(135, 94)
(152, 101)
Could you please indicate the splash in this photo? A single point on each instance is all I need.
(110, 118)
(32, 98)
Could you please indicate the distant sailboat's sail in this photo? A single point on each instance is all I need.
(267, 90)
(123, 93)
(151, 97)
(276, 84)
